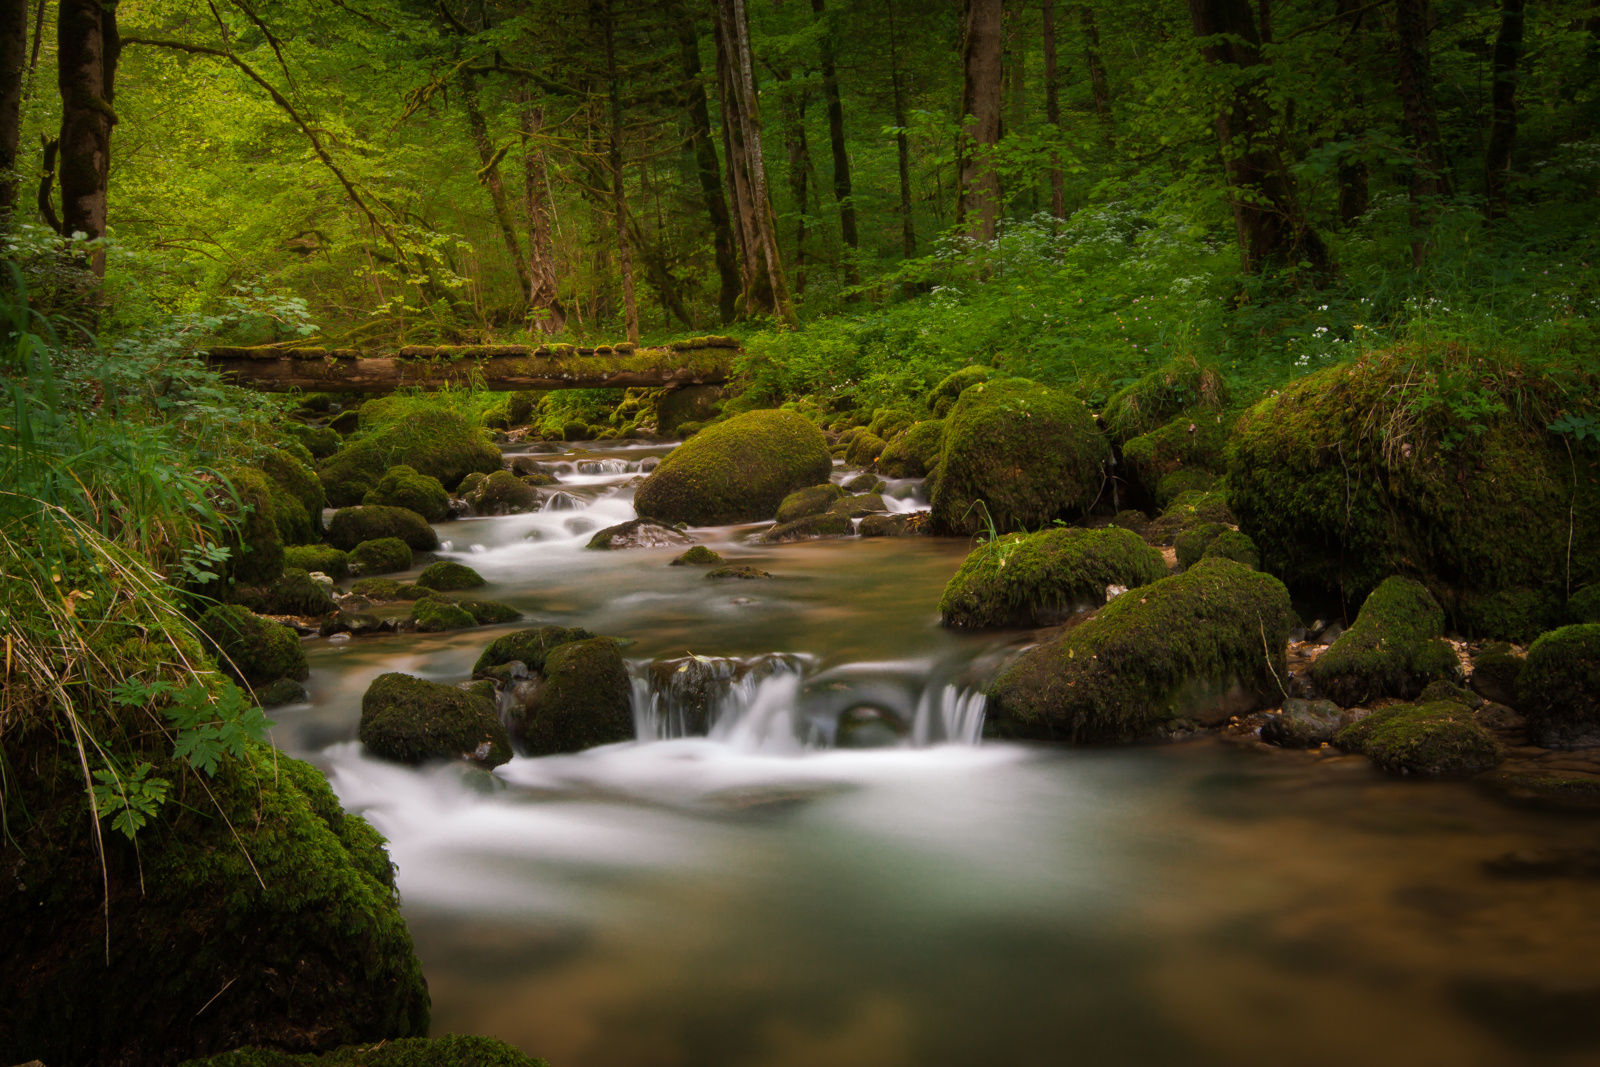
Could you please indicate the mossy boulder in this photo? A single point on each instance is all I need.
(1435, 738)
(453, 1050)
(439, 444)
(1231, 544)
(586, 700)
(489, 612)
(294, 593)
(810, 528)
(320, 441)
(1186, 511)
(890, 422)
(1184, 386)
(530, 647)
(1196, 647)
(1393, 649)
(813, 500)
(1030, 453)
(639, 533)
(253, 540)
(321, 559)
(435, 615)
(855, 507)
(410, 720)
(376, 588)
(447, 576)
(1041, 579)
(689, 404)
(1183, 481)
(1192, 441)
(253, 650)
(864, 449)
(351, 526)
(1495, 669)
(901, 525)
(298, 483)
(1191, 544)
(1558, 690)
(502, 493)
(1303, 724)
(735, 471)
(1358, 472)
(1584, 606)
(403, 487)
(942, 397)
(865, 483)
(383, 555)
(913, 453)
(698, 556)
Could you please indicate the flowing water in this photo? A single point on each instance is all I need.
(743, 889)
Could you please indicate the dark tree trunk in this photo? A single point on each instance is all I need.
(1503, 129)
(1098, 83)
(619, 191)
(13, 66)
(1353, 174)
(705, 157)
(902, 143)
(87, 57)
(1429, 179)
(983, 66)
(489, 177)
(1052, 107)
(793, 102)
(841, 157)
(1273, 233)
(543, 294)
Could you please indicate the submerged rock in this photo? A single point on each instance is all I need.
(1393, 649)
(1559, 687)
(411, 720)
(253, 650)
(735, 471)
(1438, 737)
(350, 527)
(809, 528)
(698, 556)
(639, 533)
(1043, 578)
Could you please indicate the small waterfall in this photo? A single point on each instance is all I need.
(605, 466)
(948, 714)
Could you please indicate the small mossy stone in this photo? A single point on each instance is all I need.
(1435, 738)
(447, 576)
(502, 493)
(530, 647)
(349, 527)
(434, 616)
(1585, 605)
(1303, 724)
(1192, 543)
(855, 507)
(489, 612)
(410, 720)
(888, 423)
(281, 692)
(813, 500)
(1194, 439)
(736, 471)
(1393, 649)
(1494, 674)
(942, 397)
(320, 441)
(1188, 510)
(376, 588)
(383, 555)
(862, 483)
(865, 449)
(294, 593)
(253, 650)
(1231, 544)
(809, 528)
(698, 556)
(1042, 579)
(739, 570)
(914, 453)
(1198, 646)
(690, 404)
(586, 700)
(1178, 482)
(414, 592)
(469, 483)
(1558, 690)
(321, 559)
(403, 487)
(439, 444)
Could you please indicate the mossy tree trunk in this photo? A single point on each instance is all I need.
(13, 66)
(983, 70)
(705, 158)
(88, 47)
(543, 298)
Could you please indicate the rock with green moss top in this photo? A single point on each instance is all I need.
(810, 528)
(403, 487)
(854, 507)
(1196, 647)
(864, 483)
(530, 647)
(1348, 476)
(1187, 511)
(1231, 544)
(376, 588)
(439, 444)
(502, 493)
(384, 555)
(1183, 386)
(1042, 579)
(410, 720)
(1131, 519)
(267, 890)
(253, 540)
(1192, 543)
(253, 650)
(294, 593)
(433, 616)
(1192, 441)
(489, 612)
(320, 441)
(355, 623)
(942, 397)
(447, 576)
(735, 471)
(690, 404)
(1031, 454)
(349, 527)
(890, 422)
(1393, 649)
(813, 500)
(900, 525)
(451, 1051)
(283, 691)
(470, 483)
(1171, 486)
(1584, 606)
(639, 533)
(698, 556)
(1303, 724)
(1494, 673)
(913, 453)
(586, 699)
(298, 483)
(864, 449)
(321, 559)
(740, 570)
(1558, 689)
(1436, 738)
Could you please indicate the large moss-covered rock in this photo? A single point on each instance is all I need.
(382, 555)
(1393, 649)
(253, 540)
(1190, 545)
(453, 1050)
(294, 593)
(435, 615)
(530, 647)
(1436, 737)
(298, 483)
(254, 912)
(403, 487)
(447, 575)
(1197, 647)
(501, 493)
(320, 441)
(1358, 472)
(813, 500)
(942, 397)
(411, 720)
(439, 444)
(1193, 441)
(890, 422)
(913, 453)
(735, 471)
(1040, 579)
(322, 559)
(1184, 386)
(586, 699)
(1030, 453)
(1558, 690)
(253, 650)
(351, 526)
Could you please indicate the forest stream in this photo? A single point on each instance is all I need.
(842, 874)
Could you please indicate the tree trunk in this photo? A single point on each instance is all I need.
(1273, 233)
(793, 102)
(902, 143)
(1353, 174)
(982, 57)
(1016, 71)
(1097, 69)
(705, 157)
(87, 56)
(1052, 107)
(1503, 129)
(543, 295)
(1429, 180)
(841, 157)
(13, 66)
(619, 192)
(489, 177)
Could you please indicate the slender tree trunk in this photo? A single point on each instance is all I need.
(1016, 71)
(619, 192)
(1353, 174)
(983, 51)
(489, 177)
(705, 157)
(902, 143)
(38, 35)
(87, 57)
(1272, 230)
(1429, 179)
(1503, 129)
(543, 293)
(1098, 84)
(841, 157)
(793, 102)
(1052, 107)
(13, 66)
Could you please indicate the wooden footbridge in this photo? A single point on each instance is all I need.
(281, 368)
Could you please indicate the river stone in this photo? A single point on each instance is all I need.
(1435, 738)
(813, 500)
(1044, 578)
(810, 528)
(698, 556)
(283, 691)
(349, 527)
(410, 720)
(530, 647)
(1559, 687)
(639, 533)
(735, 471)
(354, 623)
(1393, 649)
(433, 615)
(403, 487)
(903, 524)
(502, 493)
(914, 453)
(447, 576)
(586, 700)
(382, 555)
(1303, 723)
(1494, 673)
(294, 593)
(864, 483)
(742, 570)
(855, 507)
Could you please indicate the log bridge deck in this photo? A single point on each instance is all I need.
(279, 369)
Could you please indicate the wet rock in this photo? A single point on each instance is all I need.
(868, 726)
(561, 502)
(1044, 578)
(281, 692)
(904, 524)
(403, 487)
(1436, 738)
(349, 527)
(1393, 649)
(814, 500)
(735, 471)
(639, 533)
(252, 650)
(324, 559)
(447, 576)
(431, 615)
(294, 593)
(540, 481)
(384, 555)
(529, 647)
(579, 526)
(502, 493)
(354, 623)
(686, 690)
(522, 466)
(739, 571)
(807, 529)
(1494, 673)
(489, 612)
(912, 454)
(410, 720)
(376, 588)
(855, 507)
(1543, 790)
(698, 556)
(586, 699)
(1303, 724)
(865, 483)
(1559, 687)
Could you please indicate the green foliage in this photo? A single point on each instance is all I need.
(129, 800)
(212, 722)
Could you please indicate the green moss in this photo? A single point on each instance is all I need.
(1031, 454)
(741, 570)
(324, 559)
(858, 506)
(942, 397)
(866, 483)
(1440, 737)
(1192, 543)
(253, 650)
(698, 556)
(1585, 604)
(403, 487)
(410, 720)
(447, 575)
(434, 616)
(1514, 614)
(1183, 385)
(501, 493)
(376, 588)
(864, 449)
(1183, 481)
(1192, 440)
(469, 483)
(351, 526)
(1199, 645)
(828, 524)
(320, 441)
(913, 453)
(382, 555)
(1494, 673)
(489, 612)
(294, 593)
(1187, 511)
(735, 471)
(890, 422)
(451, 1051)
(530, 647)
(1559, 688)
(689, 404)
(586, 700)
(1231, 544)
(811, 501)
(1393, 649)
(253, 541)
(439, 444)
(1040, 579)
(301, 484)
